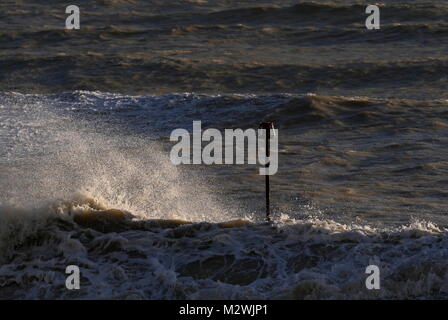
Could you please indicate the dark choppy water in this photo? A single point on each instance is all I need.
(363, 164)
(226, 46)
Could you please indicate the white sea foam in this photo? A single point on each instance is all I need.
(50, 158)
(49, 161)
(316, 258)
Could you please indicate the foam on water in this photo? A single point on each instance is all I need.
(82, 190)
(51, 158)
(309, 258)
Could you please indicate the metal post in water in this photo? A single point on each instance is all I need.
(267, 126)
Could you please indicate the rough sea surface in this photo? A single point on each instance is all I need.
(86, 179)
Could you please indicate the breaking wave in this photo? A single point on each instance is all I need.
(86, 181)
(124, 257)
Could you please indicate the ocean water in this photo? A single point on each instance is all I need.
(86, 179)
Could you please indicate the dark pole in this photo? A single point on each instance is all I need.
(267, 126)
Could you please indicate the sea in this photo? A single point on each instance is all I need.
(86, 178)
